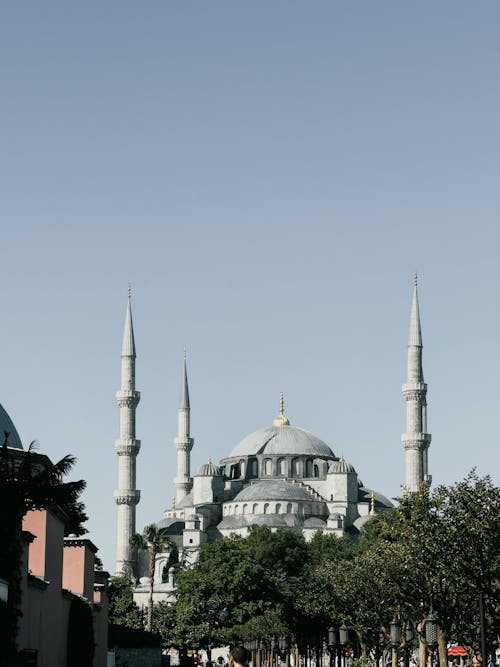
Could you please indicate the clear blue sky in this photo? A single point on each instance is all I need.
(268, 176)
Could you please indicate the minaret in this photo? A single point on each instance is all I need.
(127, 448)
(416, 440)
(183, 442)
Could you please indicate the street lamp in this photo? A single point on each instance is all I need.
(395, 632)
(343, 639)
(408, 640)
(332, 643)
(431, 634)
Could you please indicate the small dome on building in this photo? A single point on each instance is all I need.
(8, 429)
(209, 470)
(273, 490)
(341, 466)
(314, 522)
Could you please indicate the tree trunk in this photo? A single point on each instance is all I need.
(152, 559)
(422, 651)
(442, 648)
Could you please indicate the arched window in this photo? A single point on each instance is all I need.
(278, 508)
(268, 467)
(289, 508)
(255, 508)
(316, 470)
(309, 468)
(282, 467)
(295, 468)
(236, 509)
(266, 508)
(244, 509)
(254, 468)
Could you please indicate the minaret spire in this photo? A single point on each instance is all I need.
(183, 442)
(416, 440)
(127, 448)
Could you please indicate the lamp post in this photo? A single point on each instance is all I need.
(408, 641)
(343, 639)
(395, 630)
(379, 647)
(332, 641)
(431, 634)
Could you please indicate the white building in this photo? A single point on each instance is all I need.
(278, 476)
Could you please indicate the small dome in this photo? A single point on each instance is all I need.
(209, 470)
(281, 440)
(314, 522)
(7, 428)
(341, 466)
(273, 490)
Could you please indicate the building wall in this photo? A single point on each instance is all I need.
(46, 603)
(138, 657)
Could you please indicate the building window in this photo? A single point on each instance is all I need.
(289, 508)
(254, 468)
(255, 508)
(244, 509)
(282, 467)
(268, 467)
(278, 508)
(295, 468)
(266, 508)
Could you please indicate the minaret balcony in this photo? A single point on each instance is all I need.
(127, 496)
(128, 399)
(128, 447)
(416, 440)
(184, 444)
(414, 386)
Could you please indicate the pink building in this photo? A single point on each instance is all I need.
(64, 601)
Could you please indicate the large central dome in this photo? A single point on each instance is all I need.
(284, 439)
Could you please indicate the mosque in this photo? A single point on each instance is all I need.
(279, 476)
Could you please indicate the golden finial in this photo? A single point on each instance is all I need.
(129, 291)
(415, 279)
(281, 420)
(372, 505)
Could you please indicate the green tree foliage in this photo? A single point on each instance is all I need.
(122, 608)
(437, 547)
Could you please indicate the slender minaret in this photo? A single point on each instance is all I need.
(127, 448)
(416, 440)
(183, 442)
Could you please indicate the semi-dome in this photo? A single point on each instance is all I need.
(7, 428)
(278, 489)
(209, 470)
(341, 466)
(281, 440)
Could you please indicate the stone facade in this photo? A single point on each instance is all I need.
(279, 476)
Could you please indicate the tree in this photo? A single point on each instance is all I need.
(28, 481)
(154, 542)
(122, 608)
